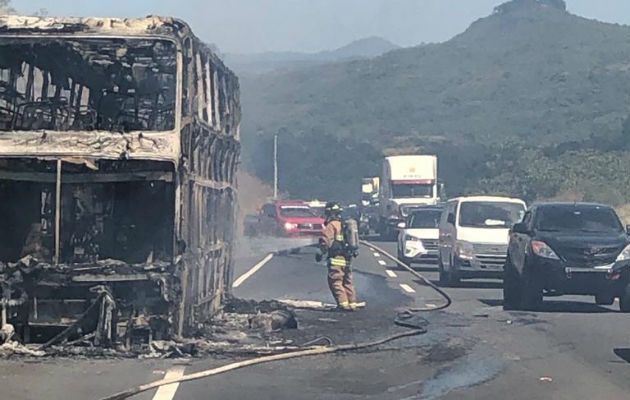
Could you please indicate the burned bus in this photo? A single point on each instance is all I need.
(119, 140)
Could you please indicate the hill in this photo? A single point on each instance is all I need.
(533, 71)
(529, 83)
(264, 62)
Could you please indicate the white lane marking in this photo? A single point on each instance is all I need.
(167, 392)
(391, 273)
(407, 288)
(382, 262)
(377, 254)
(252, 271)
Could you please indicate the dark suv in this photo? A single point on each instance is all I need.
(567, 248)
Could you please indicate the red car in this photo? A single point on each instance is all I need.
(289, 218)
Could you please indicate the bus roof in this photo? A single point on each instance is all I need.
(150, 25)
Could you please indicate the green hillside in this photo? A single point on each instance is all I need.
(530, 74)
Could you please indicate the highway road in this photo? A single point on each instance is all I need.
(571, 349)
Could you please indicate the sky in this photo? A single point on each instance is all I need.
(253, 26)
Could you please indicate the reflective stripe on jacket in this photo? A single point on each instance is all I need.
(338, 261)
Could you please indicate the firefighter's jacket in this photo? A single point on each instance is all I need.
(332, 237)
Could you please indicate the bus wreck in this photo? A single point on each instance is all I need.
(119, 140)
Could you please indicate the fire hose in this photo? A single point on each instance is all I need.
(424, 280)
(311, 351)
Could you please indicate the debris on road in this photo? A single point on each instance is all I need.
(314, 305)
(11, 348)
(6, 333)
(308, 304)
(244, 327)
(273, 321)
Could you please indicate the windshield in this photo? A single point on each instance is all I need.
(412, 190)
(425, 219)
(578, 218)
(296, 212)
(317, 210)
(87, 84)
(478, 214)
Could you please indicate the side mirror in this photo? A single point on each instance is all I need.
(451, 219)
(401, 225)
(520, 228)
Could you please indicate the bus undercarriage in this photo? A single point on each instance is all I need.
(111, 273)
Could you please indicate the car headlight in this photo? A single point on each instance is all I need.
(289, 226)
(625, 254)
(465, 250)
(541, 249)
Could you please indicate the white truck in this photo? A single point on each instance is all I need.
(407, 182)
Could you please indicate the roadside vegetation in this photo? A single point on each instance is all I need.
(530, 101)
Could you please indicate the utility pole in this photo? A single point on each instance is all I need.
(275, 166)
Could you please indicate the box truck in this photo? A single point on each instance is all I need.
(407, 182)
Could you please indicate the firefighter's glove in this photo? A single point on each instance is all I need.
(323, 248)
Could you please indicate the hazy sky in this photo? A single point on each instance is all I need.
(247, 26)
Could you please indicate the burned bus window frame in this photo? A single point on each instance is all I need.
(83, 84)
(122, 210)
(182, 271)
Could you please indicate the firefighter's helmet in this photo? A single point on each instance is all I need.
(332, 209)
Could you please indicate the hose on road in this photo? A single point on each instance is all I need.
(447, 298)
(403, 319)
(317, 350)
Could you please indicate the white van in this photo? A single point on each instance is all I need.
(474, 235)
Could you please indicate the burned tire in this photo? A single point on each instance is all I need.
(624, 300)
(511, 287)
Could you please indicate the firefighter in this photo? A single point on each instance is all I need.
(333, 245)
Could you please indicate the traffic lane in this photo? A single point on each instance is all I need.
(249, 250)
(300, 277)
(580, 336)
(538, 365)
(289, 276)
(396, 371)
(77, 379)
(387, 374)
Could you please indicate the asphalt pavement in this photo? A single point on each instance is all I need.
(571, 349)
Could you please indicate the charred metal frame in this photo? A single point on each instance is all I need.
(203, 149)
